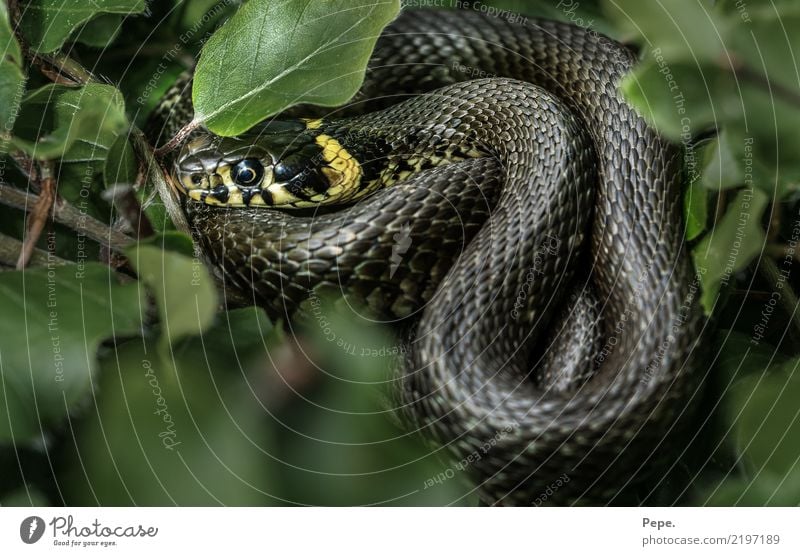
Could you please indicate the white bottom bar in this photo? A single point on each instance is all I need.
(401, 531)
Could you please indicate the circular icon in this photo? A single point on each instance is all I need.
(31, 529)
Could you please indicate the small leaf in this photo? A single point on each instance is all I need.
(722, 168)
(728, 248)
(183, 289)
(54, 320)
(74, 125)
(175, 242)
(280, 53)
(696, 209)
(121, 166)
(47, 24)
(12, 78)
(10, 47)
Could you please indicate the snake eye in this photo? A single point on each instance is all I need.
(248, 173)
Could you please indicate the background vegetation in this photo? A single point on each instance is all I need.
(122, 381)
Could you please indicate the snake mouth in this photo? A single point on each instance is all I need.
(220, 188)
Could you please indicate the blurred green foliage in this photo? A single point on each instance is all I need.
(165, 398)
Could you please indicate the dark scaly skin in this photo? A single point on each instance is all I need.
(469, 383)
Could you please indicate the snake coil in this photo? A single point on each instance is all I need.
(545, 273)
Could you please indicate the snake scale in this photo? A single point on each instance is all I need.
(544, 271)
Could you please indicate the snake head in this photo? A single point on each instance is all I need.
(282, 163)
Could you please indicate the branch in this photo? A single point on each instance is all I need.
(37, 217)
(179, 138)
(156, 175)
(57, 65)
(749, 75)
(10, 248)
(69, 216)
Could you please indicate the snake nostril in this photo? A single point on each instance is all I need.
(196, 179)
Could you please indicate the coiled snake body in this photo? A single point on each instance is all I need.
(543, 265)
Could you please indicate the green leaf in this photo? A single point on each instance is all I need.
(765, 490)
(121, 166)
(183, 430)
(100, 31)
(728, 248)
(183, 289)
(74, 125)
(770, 43)
(679, 29)
(12, 78)
(696, 208)
(173, 241)
(679, 99)
(764, 410)
(339, 442)
(10, 47)
(722, 167)
(196, 19)
(582, 13)
(280, 53)
(24, 498)
(54, 320)
(47, 24)
(80, 184)
(744, 91)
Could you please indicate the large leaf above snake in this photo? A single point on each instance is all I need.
(247, 73)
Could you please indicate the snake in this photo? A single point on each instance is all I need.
(490, 191)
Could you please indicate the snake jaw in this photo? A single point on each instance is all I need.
(298, 165)
(219, 189)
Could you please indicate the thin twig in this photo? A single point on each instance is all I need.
(780, 251)
(57, 65)
(37, 217)
(10, 248)
(779, 90)
(179, 138)
(69, 216)
(156, 176)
